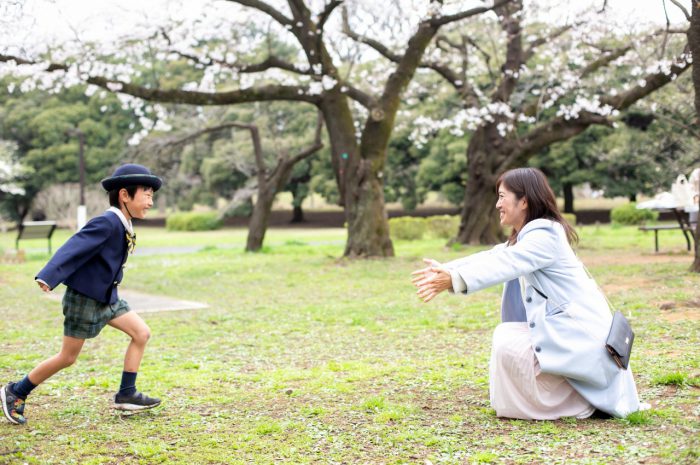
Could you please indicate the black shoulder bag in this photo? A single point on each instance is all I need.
(620, 337)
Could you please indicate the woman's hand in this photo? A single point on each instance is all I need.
(431, 280)
(43, 287)
(429, 270)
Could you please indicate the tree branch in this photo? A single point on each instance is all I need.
(326, 13)
(682, 8)
(359, 96)
(265, 8)
(442, 20)
(552, 131)
(559, 128)
(315, 147)
(252, 94)
(375, 44)
(174, 142)
(448, 74)
(269, 63)
(543, 40)
(652, 82)
(604, 60)
(274, 62)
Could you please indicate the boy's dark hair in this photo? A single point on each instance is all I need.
(114, 195)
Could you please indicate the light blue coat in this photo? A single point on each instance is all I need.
(568, 315)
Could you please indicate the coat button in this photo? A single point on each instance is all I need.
(538, 349)
(528, 300)
(532, 324)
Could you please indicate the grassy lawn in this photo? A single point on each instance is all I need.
(305, 358)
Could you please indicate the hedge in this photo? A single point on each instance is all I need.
(193, 221)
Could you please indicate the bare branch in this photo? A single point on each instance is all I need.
(681, 7)
(265, 8)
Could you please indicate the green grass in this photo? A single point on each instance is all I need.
(303, 357)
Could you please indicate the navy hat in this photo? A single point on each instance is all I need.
(132, 174)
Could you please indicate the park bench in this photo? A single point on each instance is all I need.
(36, 230)
(688, 232)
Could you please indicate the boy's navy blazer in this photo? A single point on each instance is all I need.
(92, 260)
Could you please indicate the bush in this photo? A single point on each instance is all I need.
(407, 228)
(570, 218)
(443, 226)
(193, 221)
(629, 215)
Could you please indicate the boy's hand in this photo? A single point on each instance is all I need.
(44, 287)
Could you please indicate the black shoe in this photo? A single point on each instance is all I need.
(134, 402)
(12, 406)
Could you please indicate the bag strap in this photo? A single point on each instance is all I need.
(610, 305)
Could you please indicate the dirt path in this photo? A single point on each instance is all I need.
(147, 303)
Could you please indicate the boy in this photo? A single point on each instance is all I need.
(90, 264)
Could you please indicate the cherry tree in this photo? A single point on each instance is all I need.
(533, 85)
(317, 67)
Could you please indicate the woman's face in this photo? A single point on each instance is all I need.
(512, 211)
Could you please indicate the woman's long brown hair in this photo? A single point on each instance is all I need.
(532, 184)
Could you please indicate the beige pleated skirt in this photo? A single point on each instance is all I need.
(517, 386)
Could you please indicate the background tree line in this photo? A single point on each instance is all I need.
(444, 105)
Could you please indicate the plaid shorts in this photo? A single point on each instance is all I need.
(85, 317)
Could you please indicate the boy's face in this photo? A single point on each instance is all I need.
(138, 206)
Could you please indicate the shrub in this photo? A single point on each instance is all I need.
(570, 218)
(443, 226)
(628, 214)
(407, 228)
(193, 221)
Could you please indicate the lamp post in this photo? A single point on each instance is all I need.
(82, 210)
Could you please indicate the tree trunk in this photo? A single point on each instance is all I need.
(267, 190)
(297, 214)
(480, 223)
(257, 225)
(633, 197)
(568, 189)
(696, 263)
(694, 45)
(361, 188)
(367, 218)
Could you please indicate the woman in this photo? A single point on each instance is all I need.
(548, 358)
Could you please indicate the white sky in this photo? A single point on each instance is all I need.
(51, 21)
